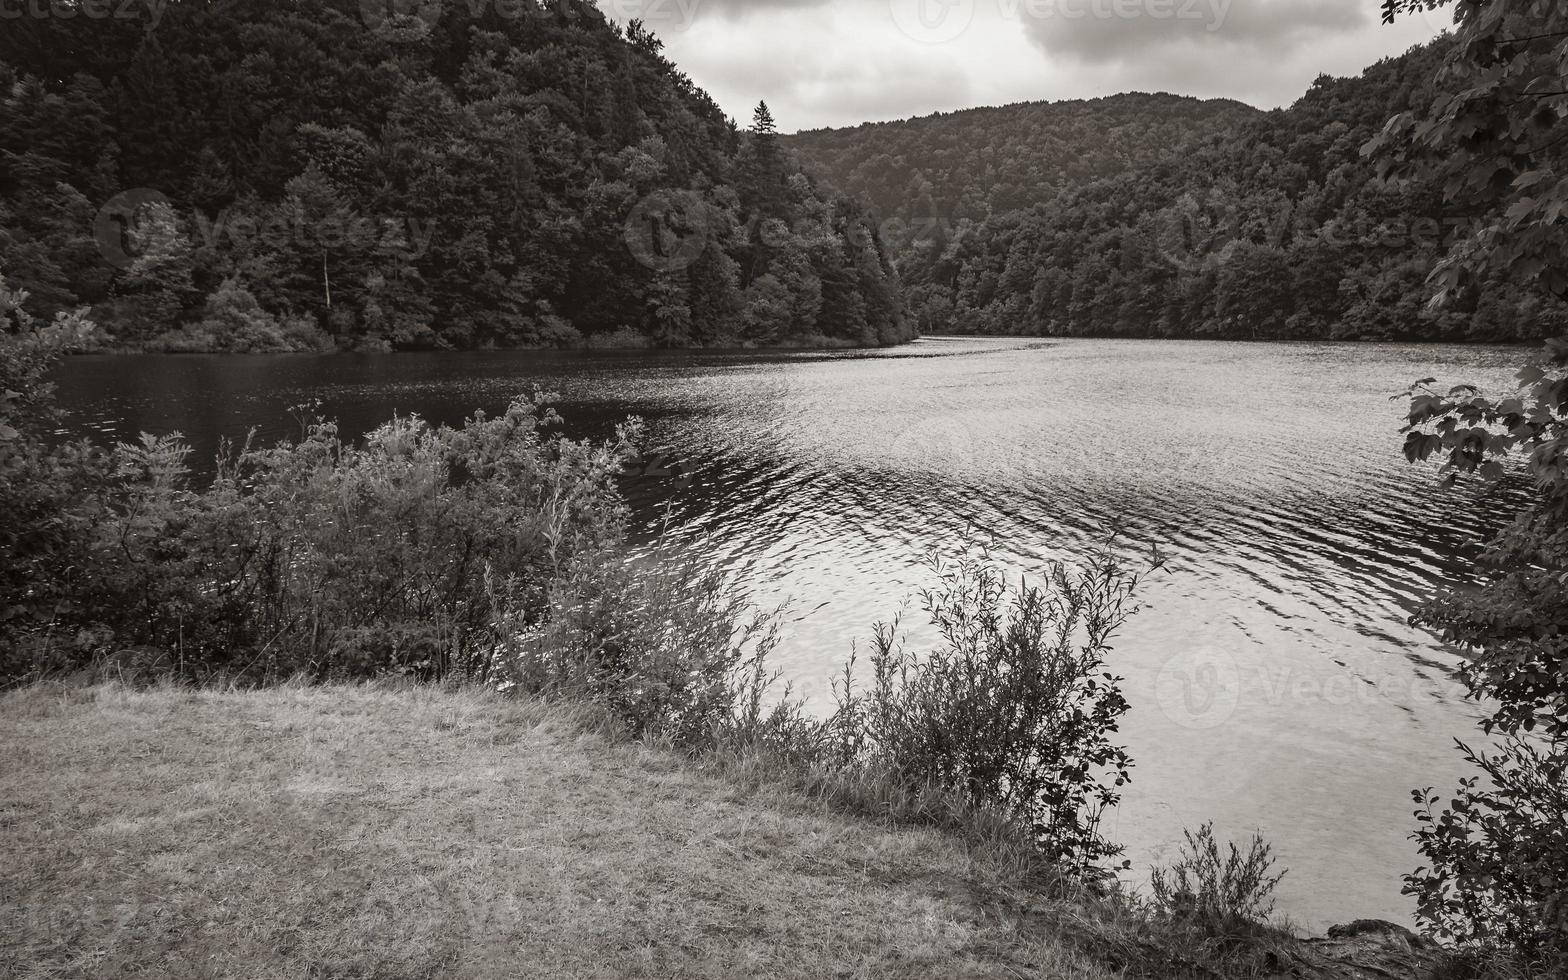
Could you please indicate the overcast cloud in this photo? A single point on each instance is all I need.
(840, 62)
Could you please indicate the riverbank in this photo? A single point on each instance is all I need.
(371, 831)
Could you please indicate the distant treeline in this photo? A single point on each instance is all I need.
(260, 175)
(1153, 215)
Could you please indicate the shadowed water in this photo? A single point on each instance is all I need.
(1275, 682)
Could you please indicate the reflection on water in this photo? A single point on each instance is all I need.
(1274, 679)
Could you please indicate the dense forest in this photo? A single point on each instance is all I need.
(316, 174)
(1160, 216)
(964, 166)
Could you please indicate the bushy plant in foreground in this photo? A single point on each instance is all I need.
(405, 554)
(1220, 895)
(1014, 708)
(1498, 882)
(45, 490)
(668, 646)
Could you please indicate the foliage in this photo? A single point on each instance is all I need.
(43, 489)
(468, 179)
(233, 321)
(402, 555)
(666, 645)
(1498, 853)
(1219, 895)
(1015, 709)
(1158, 216)
(964, 165)
(1514, 621)
(1494, 138)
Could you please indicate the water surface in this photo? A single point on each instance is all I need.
(1275, 682)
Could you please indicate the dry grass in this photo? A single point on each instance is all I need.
(379, 832)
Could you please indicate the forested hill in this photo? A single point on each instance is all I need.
(971, 163)
(279, 174)
(1253, 226)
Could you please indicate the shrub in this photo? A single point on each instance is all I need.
(1219, 896)
(1015, 709)
(233, 321)
(46, 490)
(622, 338)
(397, 556)
(1498, 885)
(1497, 878)
(663, 643)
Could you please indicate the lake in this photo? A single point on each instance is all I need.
(1275, 681)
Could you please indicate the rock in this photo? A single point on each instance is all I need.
(1373, 929)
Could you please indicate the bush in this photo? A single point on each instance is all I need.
(1015, 710)
(1498, 885)
(401, 555)
(622, 338)
(233, 321)
(1497, 878)
(1218, 896)
(664, 644)
(46, 490)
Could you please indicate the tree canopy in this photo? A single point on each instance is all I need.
(1154, 215)
(251, 175)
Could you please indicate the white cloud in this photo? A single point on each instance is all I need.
(842, 62)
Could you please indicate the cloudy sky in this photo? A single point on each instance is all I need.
(840, 62)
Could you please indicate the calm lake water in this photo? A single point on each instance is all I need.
(1275, 682)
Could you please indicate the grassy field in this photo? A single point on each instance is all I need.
(355, 831)
(371, 832)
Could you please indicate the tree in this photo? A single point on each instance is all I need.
(763, 173)
(456, 181)
(1499, 850)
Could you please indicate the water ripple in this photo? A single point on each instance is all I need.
(1300, 541)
